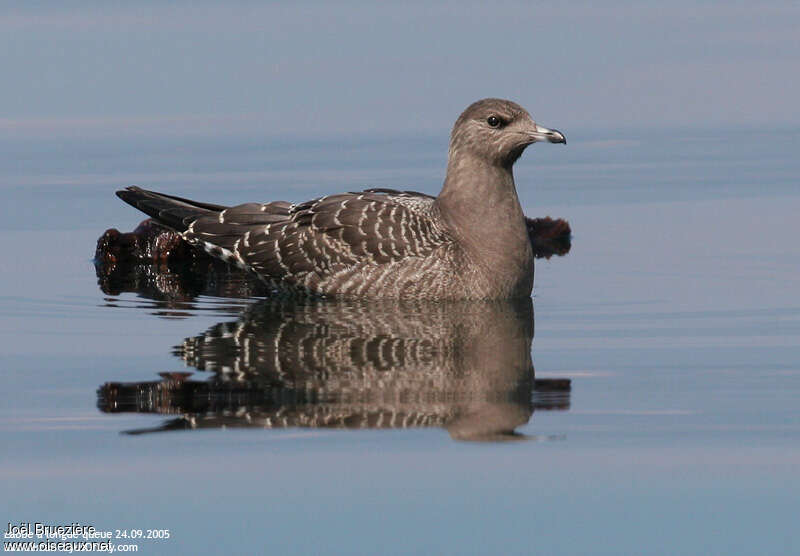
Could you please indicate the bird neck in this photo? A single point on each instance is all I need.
(480, 206)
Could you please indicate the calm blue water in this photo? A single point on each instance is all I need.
(676, 316)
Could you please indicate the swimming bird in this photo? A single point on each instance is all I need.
(470, 242)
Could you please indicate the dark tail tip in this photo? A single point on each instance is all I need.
(132, 195)
(169, 211)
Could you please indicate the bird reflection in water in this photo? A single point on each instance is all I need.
(462, 366)
(465, 367)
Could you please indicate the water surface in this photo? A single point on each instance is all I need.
(675, 317)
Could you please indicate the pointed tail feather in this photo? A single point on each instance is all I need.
(174, 212)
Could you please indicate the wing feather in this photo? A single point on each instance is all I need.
(305, 243)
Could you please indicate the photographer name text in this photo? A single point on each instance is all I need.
(64, 531)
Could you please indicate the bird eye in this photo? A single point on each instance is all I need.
(493, 121)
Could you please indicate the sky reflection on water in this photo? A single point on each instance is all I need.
(676, 319)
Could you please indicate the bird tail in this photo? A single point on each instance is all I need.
(174, 212)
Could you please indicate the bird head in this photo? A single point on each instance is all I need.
(497, 131)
